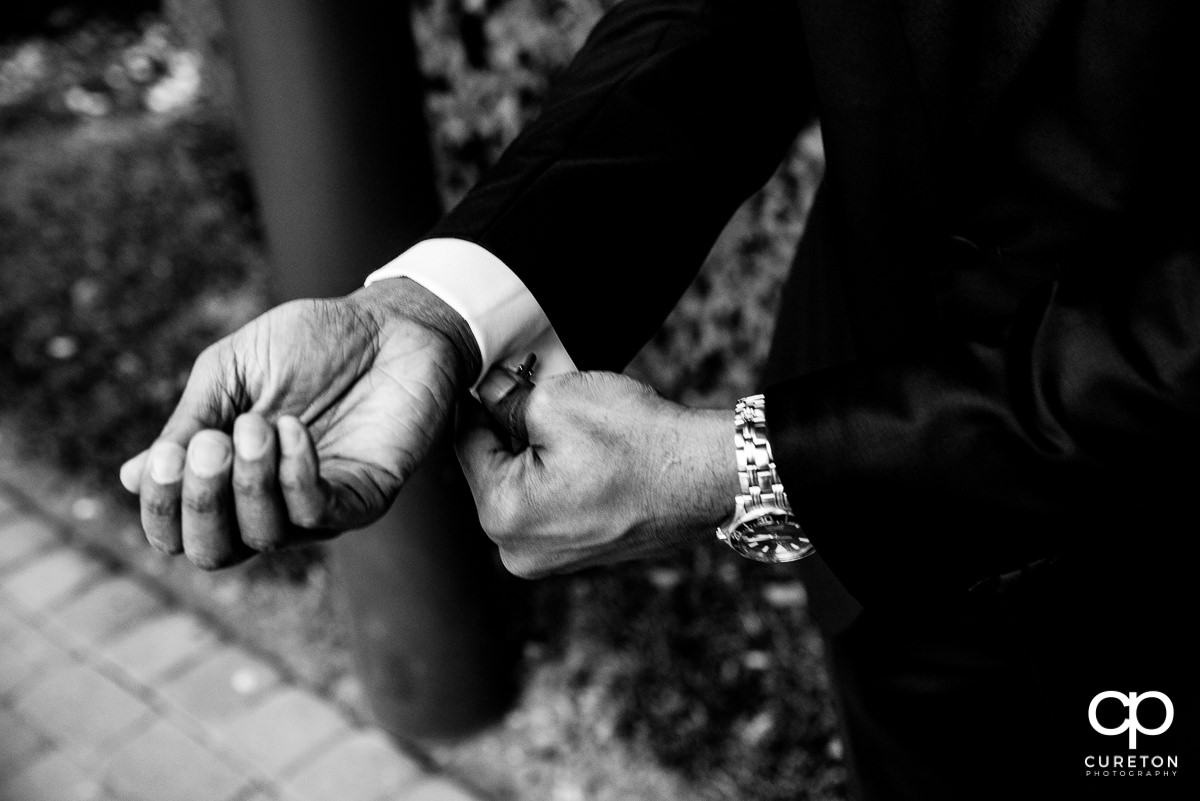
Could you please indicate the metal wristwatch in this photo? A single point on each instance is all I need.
(762, 527)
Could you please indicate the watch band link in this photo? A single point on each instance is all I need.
(757, 475)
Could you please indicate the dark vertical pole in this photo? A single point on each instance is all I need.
(334, 122)
(335, 127)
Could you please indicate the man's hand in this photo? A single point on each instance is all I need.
(303, 423)
(612, 472)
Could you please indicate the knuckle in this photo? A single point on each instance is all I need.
(500, 524)
(305, 518)
(291, 481)
(205, 368)
(159, 507)
(210, 358)
(263, 538)
(517, 564)
(253, 483)
(211, 369)
(203, 501)
(540, 403)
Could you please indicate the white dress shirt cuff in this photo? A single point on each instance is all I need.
(508, 323)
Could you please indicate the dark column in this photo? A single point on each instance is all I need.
(335, 126)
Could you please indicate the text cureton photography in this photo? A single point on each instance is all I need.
(1131, 764)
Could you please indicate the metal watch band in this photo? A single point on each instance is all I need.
(757, 475)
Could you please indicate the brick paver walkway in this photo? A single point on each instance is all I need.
(110, 693)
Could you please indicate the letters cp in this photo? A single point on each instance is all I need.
(1131, 724)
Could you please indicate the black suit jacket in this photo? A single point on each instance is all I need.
(988, 352)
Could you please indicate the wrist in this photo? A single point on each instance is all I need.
(702, 492)
(403, 300)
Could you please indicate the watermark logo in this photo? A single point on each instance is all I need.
(1131, 723)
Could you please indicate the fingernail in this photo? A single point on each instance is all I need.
(249, 438)
(166, 462)
(131, 473)
(208, 455)
(291, 436)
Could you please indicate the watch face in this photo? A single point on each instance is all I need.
(770, 534)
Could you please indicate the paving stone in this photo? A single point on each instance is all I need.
(286, 727)
(81, 710)
(7, 507)
(363, 767)
(22, 537)
(52, 777)
(8, 619)
(222, 686)
(257, 794)
(164, 764)
(50, 579)
(106, 609)
(438, 788)
(19, 742)
(26, 654)
(159, 646)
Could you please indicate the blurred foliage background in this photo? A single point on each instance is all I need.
(129, 239)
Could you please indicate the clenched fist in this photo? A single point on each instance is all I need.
(611, 471)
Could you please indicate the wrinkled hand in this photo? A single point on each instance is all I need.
(331, 405)
(612, 472)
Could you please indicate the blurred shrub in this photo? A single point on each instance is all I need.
(200, 28)
(488, 65)
(22, 18)
(103, 70)
(124, 252)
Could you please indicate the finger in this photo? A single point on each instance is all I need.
(304, 494)
(205, 402)
(504, 398)
(481, 449)
(131, 471)
(257, 500)
(157, 473)
(159, 487)
(497, 477)
(209, 538)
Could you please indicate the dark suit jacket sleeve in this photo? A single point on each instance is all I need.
(1078, 432)
(673, 112)
(929, 472)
